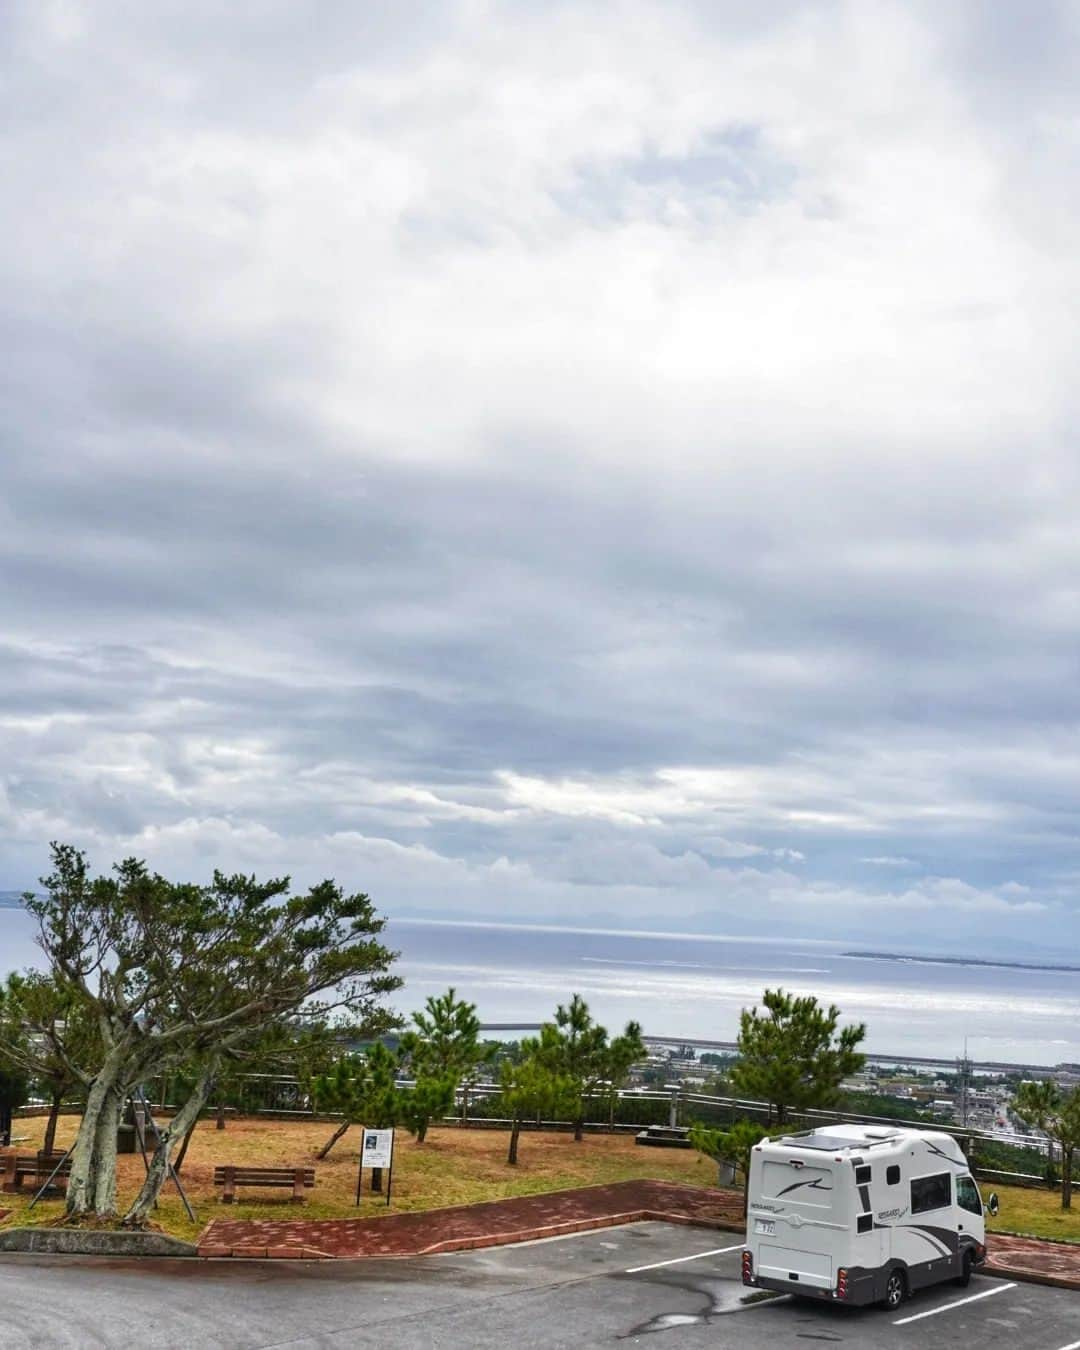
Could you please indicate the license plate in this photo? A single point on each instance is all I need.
(766, 1226)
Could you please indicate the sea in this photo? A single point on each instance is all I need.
(695, 985)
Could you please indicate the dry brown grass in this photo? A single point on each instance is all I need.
(453, 1167)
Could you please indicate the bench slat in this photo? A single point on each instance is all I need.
(253, 1177)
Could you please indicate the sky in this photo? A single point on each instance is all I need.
(607, 463)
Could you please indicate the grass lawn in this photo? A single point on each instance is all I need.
(453, 1167)
(1032, 1211)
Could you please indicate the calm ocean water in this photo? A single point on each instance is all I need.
(685, 984)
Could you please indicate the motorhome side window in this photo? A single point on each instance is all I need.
(892, 1175)
(967, 1195)
(931, 1193)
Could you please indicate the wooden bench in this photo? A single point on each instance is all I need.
(294, 1178)
(22, 1169)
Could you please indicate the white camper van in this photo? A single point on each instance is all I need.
(861, 1214)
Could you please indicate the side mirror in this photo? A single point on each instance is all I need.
(992, 1205)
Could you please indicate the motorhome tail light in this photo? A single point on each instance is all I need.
(841, 1283)
(747, 1268)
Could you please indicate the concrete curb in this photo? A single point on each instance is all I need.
(92, 1242)
(1024, 1276)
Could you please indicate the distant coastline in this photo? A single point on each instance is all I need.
(961, 961)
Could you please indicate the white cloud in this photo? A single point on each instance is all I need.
(542, 457)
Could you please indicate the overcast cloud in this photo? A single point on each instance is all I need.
(609, 462)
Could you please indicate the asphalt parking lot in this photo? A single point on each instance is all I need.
(645, 1284)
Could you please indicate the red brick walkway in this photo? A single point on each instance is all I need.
(466, 1226)
(1029, 1259)
(534, 1216)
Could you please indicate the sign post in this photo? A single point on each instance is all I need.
(376, 1150)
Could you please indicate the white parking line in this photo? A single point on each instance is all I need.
(678, 1260)
(957, 1303)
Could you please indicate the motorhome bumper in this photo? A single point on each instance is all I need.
(861, 1289)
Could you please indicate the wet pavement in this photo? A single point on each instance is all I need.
(648, 1284)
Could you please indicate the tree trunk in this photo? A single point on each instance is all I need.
(515, 1130)
(220, 1116)
(85, 1156)
(178, 1127)
(421, 1130)
(333, 1139)
(1066, 1177)
(464, 1103)
(104, 1199)
(579, 1129)
(50, 1125)
(184, 1148)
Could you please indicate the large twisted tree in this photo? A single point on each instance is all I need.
(187, 974)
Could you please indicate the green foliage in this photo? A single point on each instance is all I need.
(341, 1089)
(993, 1154)
(14, 1089)
(47, 1032)
(362, 1088)
(576, 1051)
(732, 1145)
(1038, 1103)
(529, 1087)
(1064, 1127)
(429, 1099)
(443, 1050)
(446, 1041)
(791, 1055)
(893, 1108)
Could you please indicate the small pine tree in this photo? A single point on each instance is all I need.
(791, 1056)
(733, 1145)
(443, 1049)
(530, 1088)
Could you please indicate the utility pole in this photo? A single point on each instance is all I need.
(963, 1069)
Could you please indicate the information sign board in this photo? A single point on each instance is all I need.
(377, 1150)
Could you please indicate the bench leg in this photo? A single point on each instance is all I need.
(298, 1187)
(229, 1194)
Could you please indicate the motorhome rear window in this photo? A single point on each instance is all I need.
(931, 1193)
